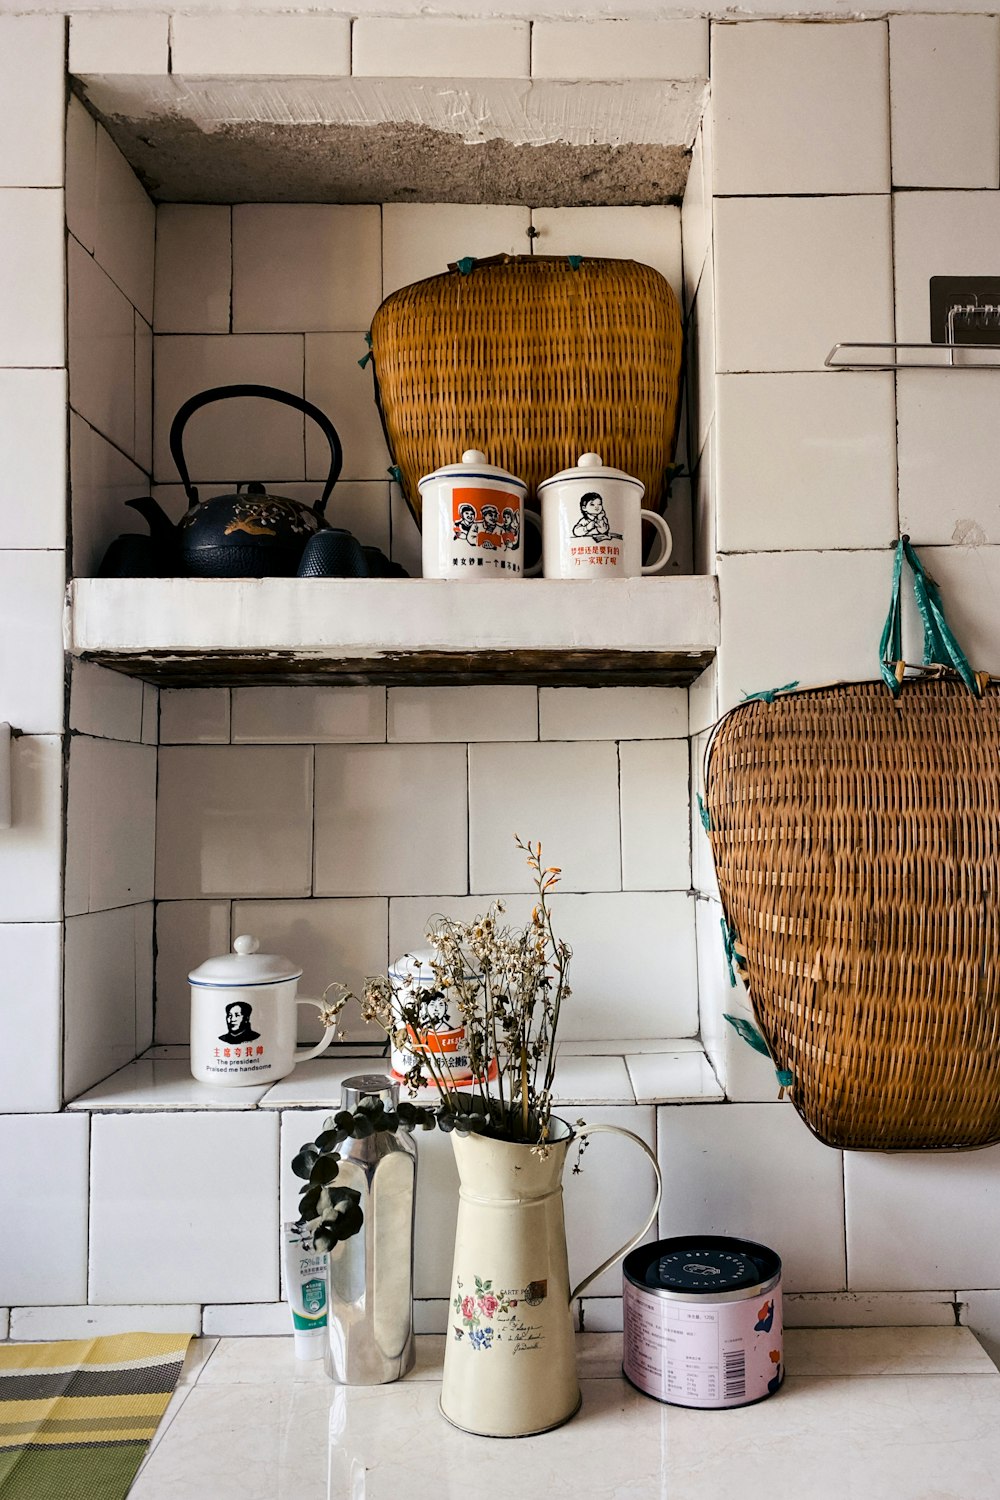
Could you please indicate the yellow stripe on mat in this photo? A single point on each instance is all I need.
(112, 1352)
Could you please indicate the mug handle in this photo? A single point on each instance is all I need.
(536, 568)
(325, 1040)
(668, 542)
(624, 1249)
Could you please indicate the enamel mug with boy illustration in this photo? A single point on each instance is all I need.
(472, 521)
(592, 520)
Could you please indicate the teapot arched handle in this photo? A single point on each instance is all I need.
(583, 1130)
(267, 393)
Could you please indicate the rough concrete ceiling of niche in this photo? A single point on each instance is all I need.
(371, 141)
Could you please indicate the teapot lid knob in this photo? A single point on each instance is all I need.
(246, 945)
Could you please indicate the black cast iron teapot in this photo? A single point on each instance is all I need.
(249, 534)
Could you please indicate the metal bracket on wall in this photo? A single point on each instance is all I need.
(964, 321)
(950, 357)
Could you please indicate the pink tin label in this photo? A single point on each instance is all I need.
(697, 1352)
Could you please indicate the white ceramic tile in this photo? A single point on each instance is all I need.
(261, 1359)
(249, 1320)
(673, 1078)
(31, 1007)
(31, 849)
(619, 1047)
(592, 1080)
(619, 49)
(31, 651)
(823, 620)
(32, 90)
(194, 716)
(81, 173)
(143, 916)
(306, 716)
(126, 221)
(390, 819)
(261, 46)
(102, 479)
(312, 267)
(32, 274)
(112, 812)
(33, 457)
(406, 539)
(649, 235)
(423, 239)
(187, 932)
(88, 1321)
(602, 1316)
(794, 276)
(633, 972)
(938, 234)
(564, 795)
(150, 714)
(981, 1312)
(703, 700)
(433, 47)
(948, 448)
(152, 1085)
(886, 1351)
(142, 443)
(702, 361)
(344, 941)
(101, 350)
(917, 1219)
(100, 997)
(105, 704)
(230, 441)
(118, 43)
(430, 1315)
(945, 99)
(610, 1195)
(655, 826)
(193, 268)
(337, 385)
(163, 1188)
(696, 220)
(869, 1309)
(234, 821)
(755, 1172)
(705, 519)
(465, 713)
(316, 1085)
(45, 1162)
(801, 109)
(805, 461)
(749, 1077)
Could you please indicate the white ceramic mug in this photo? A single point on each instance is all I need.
(472, 521)
(592, 523)
(243, 1017)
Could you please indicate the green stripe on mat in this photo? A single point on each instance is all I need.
(92, 1471)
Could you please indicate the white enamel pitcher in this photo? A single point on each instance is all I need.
(510, 1362)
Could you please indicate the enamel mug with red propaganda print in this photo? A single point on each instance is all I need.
(243, 1017)
(472, 521)
(592, 520)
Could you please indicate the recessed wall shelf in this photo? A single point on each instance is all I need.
(237, 632)
(970, 357)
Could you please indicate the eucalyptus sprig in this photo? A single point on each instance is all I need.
(334, 1213)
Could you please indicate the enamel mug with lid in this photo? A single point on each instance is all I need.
(243, 1017)
(472, 521)
(592, 523)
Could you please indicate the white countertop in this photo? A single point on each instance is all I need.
(864, 1414)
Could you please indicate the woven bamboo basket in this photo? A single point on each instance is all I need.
(857, 844)
(534, 360)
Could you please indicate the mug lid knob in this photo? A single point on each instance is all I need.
(474, 456)
(246, 945)
(590, 461)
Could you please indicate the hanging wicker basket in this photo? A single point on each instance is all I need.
(856, 835)
(534, 360)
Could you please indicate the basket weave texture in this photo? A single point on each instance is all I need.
(857, 845)
(533, 362)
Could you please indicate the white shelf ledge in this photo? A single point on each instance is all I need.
(224, 632)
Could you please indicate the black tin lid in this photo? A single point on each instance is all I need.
(710, 1265)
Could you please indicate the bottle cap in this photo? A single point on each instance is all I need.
(368, 1086)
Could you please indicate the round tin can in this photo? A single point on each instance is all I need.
(703, 1321)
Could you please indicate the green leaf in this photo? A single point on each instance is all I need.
(303, 1164)
(325, 1170)
(309, 1202)
(329, 1140)
(749, 1033)
(344, 1120)
(362, 1127)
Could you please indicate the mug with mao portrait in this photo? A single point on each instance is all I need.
(592, 519)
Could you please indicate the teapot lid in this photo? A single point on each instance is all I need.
(592, 468)
(474, 465)
(245, 966)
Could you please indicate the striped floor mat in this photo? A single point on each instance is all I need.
(76, 1417)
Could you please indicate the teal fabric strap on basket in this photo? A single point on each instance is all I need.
(940, 645)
